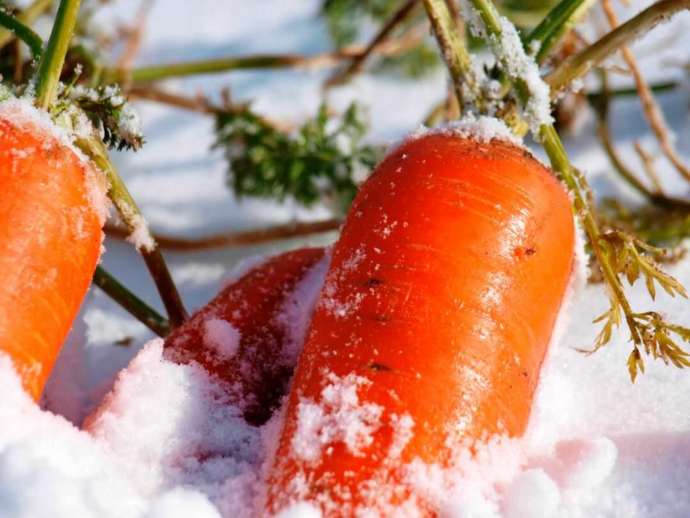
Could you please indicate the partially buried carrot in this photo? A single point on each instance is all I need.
(246, 335)
(432, 325)
(50, 241)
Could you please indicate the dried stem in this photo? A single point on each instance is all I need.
(247, 237)
(131, 303)
(131, 216)
(390, 47)
(453, 49)
(133, 43)
(579, 64)
(198, 104)
(357, 63)
(648, 165)
(653, 113)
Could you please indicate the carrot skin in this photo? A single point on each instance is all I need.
(439, 302)
(258, 373)
(50, 242)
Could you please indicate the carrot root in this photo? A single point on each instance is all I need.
(249, 335)
(432, 324)
(50, 242)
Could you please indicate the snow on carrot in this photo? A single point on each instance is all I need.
(51, 213)
(435, 329)
(250, 334)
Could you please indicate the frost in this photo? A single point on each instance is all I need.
(140, 236)
(517, 65)
(337, 417)
(221, 338)
(481, 128)
(22, 113)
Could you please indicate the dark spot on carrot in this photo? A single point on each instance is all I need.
(524, 252)
(379, 367)
(382, 318)
(372, 282)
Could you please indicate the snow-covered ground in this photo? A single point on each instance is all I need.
(597, 445)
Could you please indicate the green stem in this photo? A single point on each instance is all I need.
(579, 64)
(453, 49)
(131, 303)
(50, 66)
(594, 97)
(26, 17)
(24, 33)
(133, 219)
(555, 25)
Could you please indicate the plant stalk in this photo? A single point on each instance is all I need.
(131, 303)
(26, 17)
(357, 63)
(579, 64)
(50, 66)
(133, 219)
(555, 25)
(241, 238)
(23, 32)
(258, 61)
(454, 51)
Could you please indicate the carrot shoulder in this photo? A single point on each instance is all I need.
(50, 241)
(243, 335)
(432, 324)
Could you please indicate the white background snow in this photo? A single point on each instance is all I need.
(597, 445)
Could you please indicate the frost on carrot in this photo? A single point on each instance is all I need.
(432, 324)
(250, 334)
(51, 213)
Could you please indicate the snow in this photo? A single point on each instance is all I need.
(140, 236)
(481, 128)
(339, 417)
(517, 64)
(221, 338)
(164, 443)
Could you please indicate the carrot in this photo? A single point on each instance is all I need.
(50, 241)
(432, 324)
(252, 306)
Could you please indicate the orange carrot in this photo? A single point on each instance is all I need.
(252, 305)
(50, 240)
(432, 324)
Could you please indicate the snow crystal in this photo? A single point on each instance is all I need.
(517, 65)
(221, 337)
(481, 128)
(338, 417)
(140, 236)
